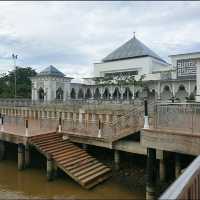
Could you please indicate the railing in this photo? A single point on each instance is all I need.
(29, 102)
(183, 117)
(129, 123)
(187, 186)
(17, 124)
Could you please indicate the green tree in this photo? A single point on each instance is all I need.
(7, 83)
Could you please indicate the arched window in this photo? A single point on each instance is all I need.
(88, 94)
(181, 87)
(80, 94)
(41, 94)
(73, 94)
(106, 94)
(97, 94)
(116, 94)
(59, 94)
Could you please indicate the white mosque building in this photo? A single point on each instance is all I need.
(122, 75)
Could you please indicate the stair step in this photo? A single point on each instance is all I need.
(70, 156)
(95, 176)
(78, 161)
(70, 150)
(45, 136)
(91, 172)
(57, 146)
(87, 169)
(83, 166)
(73, 159)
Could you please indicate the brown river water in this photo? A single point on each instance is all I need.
(32, 183)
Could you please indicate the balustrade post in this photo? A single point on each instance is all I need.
(146, 117)
(60, 125)
(26, 124)
(2, 123)
(99, 132)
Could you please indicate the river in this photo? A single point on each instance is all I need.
(32, 183)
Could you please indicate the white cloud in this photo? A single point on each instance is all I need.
(73, 35)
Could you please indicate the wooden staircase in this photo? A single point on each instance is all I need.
(73, 160)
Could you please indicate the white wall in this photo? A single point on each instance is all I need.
(141, 64)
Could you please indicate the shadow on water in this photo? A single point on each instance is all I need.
(32, 183)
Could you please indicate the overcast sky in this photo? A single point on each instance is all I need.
(73, 35)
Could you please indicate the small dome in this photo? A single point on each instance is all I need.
(51, 71)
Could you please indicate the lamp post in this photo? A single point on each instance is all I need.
(14, 57)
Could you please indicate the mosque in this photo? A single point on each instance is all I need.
(122, 76)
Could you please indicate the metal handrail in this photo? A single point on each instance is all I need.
(187, 185)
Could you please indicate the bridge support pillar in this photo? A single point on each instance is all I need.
(177, 165)
(20, 156)
(117, 159)
(151, 174)
(162, 170)
(84, 146)
(50, 167)
(27, 156)
(2, 150)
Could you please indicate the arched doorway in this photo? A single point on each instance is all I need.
(106, 94)
(59, 94)
(97, 94)
(80, 94)
(73, 94)
(166, 93)
(41, 94)
(127, 95)
(116, 94)
(88, 94)
(181, 93)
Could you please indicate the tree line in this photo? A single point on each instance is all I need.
(23, 83)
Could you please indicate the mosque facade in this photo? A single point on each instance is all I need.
(123, 75)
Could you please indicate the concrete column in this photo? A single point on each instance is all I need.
(80, 117)
(107, 118)
(177, 165)
(162, 170)
(50, 167)
(116, 159)
(2, 150)
(151, 174)
(20, 156)
(27, 156)
(84, 146)
(198, 81)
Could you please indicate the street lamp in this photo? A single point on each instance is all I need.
(14, 57)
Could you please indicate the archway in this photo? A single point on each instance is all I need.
(106, 94)
(166, 93)
(88, 94)
(41, 94)
(181, 93)
(127, 95)
(116, 94)
(97, 94)
(59, 94)
(80, 94)
(73, 94)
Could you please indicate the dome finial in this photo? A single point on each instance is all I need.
(134, 34)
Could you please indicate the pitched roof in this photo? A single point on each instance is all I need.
(131, 49)
(51, 71)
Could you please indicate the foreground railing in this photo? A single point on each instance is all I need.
(183, 117)
(187, 186)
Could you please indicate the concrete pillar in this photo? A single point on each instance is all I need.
(2, 150)
(177, 165)
(50, 167)
(27, 156)
(198, 81)
(84, 146)
(162, 170)
(116, 159)
(151, 174)
(20, 156)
